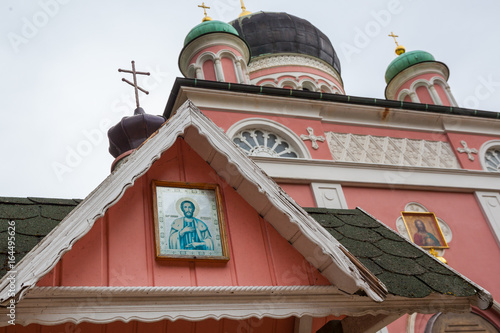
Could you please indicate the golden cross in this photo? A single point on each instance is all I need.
(394, 36)
(204, 8)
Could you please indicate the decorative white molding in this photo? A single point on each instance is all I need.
(303, 325)
(467, 150)
(310, 81)
(347, 147)
(329, 195)
(273, 127)
(100, 305)
(317, 246)
(378, 175)
(313, 138)
(490, 206)
(489, 156)
(270, 143)
(279, 60)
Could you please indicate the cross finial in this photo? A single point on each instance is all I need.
(244, 11)
(136, 87)
(206, 18)
(394, 36)
(400, 49)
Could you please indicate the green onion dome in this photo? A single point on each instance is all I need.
(209, 27)
(405, 61)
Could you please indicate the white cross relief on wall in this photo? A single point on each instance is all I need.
(313, 138)
(467, 150)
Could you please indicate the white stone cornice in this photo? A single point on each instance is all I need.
(100, 305)
(279, 60)
(378, 175)
(337, 113)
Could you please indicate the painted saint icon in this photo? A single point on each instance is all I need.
(188, 232)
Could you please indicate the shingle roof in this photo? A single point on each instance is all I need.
(34, 219)
(405, 269)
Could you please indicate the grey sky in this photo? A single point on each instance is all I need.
(61, 89)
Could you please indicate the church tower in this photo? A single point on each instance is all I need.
(213, 50)
(417, 77)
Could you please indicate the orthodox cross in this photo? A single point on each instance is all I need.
(394, 36)
(313, 138)
(136, 87)
(467, 150)
(206, 18)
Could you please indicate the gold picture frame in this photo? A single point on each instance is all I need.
(423, 229)
(189, 221)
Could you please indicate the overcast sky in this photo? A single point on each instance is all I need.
(61, 88)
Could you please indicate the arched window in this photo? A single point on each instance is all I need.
(258, 142)
(490, 156)
(267, 138)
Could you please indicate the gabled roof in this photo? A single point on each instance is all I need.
(319, 247)
(34, 218)
(404, 268)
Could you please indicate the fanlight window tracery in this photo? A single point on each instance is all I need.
(492, 159)
(259, 142)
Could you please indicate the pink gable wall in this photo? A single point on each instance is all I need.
(119, 250)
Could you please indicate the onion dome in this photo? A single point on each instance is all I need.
(275, 33)
(132, 131)
(209, 27)
(405, 61)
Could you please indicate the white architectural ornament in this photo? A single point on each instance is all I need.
(388, 150)
(467, 150)
(313, 138)
(329, 195)
(260, 142)
(492, 159)
(490, 206)
(417, 207)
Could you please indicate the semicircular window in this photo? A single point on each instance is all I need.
(492, 159)
(258, 142)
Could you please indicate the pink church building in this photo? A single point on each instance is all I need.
(267, 199)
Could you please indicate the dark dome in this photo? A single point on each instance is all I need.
(132, 131)
(270, 33)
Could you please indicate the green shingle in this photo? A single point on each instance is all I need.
(15, 211)
(405, 269)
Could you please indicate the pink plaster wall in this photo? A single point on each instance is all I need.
(229, 71)
(299, 126)
(473, 141)
(215, 49)
(472, 249)
(442, 94)
(424, 95)
(209, 70)
(119, 249)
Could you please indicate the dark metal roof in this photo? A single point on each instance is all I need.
(290, 93)
(132, 131)
(405, 269)
(34, 218)
(272, 33)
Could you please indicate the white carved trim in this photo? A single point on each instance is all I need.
(484, 148)
(490, 206)
(313, 138)
(336, 113)
(329, 195)
(347, 147)
(423, 68)
(320, 248)
(378, 175)
(271, 126)
(303, 324)
(279, 60)
(52, 306)
(467, 150)
(437, 80)
(209, 40)
(310, 81)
